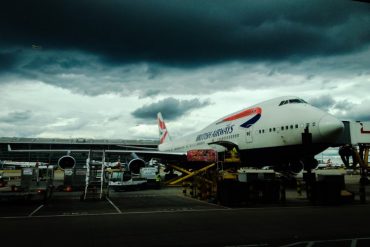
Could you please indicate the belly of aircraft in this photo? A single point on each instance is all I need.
(276, 155)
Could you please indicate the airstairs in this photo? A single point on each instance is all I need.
(96, 183)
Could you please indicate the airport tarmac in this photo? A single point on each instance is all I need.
(167, 218)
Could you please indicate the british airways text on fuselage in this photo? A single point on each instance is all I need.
(228, 129)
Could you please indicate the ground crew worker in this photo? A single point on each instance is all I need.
(234, 153)
(158, 180)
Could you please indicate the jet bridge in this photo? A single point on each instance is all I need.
(354, 143)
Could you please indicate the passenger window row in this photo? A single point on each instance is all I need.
(229, 137)
(286, 127)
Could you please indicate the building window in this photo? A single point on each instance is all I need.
(296, 126)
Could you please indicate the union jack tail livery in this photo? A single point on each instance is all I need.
(163, 133)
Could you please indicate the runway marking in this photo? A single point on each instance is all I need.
(175, 211)
(117, 209)
(56, 216)
(312, 243)
(287, 207)
(163, 211)
(75, 213)
(122, 213)
(137, 196)
(247, 245)
(208, 203)
(35, 211)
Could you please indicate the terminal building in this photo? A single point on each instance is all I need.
(65, 144)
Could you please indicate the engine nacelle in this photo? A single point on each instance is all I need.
(66, 162)
(135, 165)
(291, 167)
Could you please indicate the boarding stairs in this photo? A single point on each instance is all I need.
(96, 183)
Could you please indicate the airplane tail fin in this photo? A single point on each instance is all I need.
(163, 132)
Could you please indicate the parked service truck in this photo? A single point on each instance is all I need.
(34, 182)
(123, 180)
(151, 175)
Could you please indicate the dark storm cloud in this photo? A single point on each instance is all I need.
(362, 116)
(16, 117)
(343, 109)
(327, 102)
(54, 63)
(344, 105)
(324, 102)
(357, 112)
(150, 93)
(171, 108)
(8, 60)
(187, 33)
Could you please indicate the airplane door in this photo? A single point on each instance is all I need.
(249, 135)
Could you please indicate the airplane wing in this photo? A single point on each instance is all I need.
(167, 156)
(50, 150)
(148, 153)
(137, 147)
(23, 164)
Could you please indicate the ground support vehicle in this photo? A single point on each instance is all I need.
(120, 180)
(152, 176)
(34, 182)
(74, 179)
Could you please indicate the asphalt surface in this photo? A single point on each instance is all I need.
(167, 218)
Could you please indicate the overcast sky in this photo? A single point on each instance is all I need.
(103, 69)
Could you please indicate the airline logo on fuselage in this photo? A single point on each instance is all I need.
(230, 128)
(215, 133)
(257, 111)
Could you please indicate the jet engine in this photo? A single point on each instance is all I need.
(296, 166)
(309, 163)
(135, 164)
(66, 162)
(292, 167)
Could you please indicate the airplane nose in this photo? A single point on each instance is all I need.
(330, 127)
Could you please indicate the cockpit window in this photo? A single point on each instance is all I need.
(292, 101)
(283, 102)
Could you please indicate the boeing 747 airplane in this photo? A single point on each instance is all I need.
(284, 132)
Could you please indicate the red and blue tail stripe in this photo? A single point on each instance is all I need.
(257, 111)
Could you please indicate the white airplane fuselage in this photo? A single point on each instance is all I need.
(279, 130)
